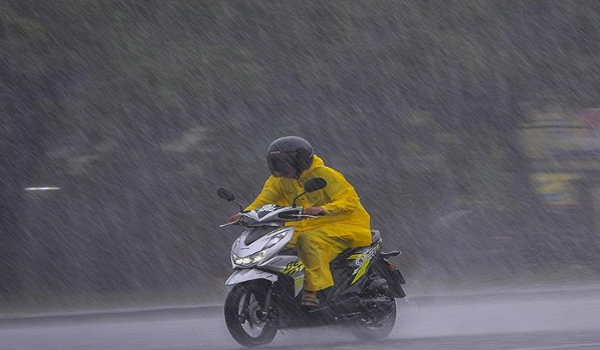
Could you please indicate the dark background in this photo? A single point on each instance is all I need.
(138, 110)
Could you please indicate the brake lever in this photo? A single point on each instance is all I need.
(237, 222)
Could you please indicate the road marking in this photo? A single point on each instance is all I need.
(559, 347)
(42, 188)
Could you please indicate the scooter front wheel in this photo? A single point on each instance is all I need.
(247, 320)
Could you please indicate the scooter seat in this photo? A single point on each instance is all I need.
(343, 256)
(375, 237)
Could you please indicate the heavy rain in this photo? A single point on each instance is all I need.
(469, 128)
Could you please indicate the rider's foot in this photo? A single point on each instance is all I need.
(309, 298)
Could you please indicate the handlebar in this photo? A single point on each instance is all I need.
(240, 221)
(306, 216)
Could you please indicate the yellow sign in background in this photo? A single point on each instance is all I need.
(557, 189)
(562, 146)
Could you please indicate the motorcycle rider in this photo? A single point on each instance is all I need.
(345, 222)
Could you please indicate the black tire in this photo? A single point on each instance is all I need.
(378, 329)
(242, 307)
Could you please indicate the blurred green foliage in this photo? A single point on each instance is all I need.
(140, 109)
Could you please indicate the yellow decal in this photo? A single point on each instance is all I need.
(298, 284)
(363, 260)
(362, 269)
(293, 267)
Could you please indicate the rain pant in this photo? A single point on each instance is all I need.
(319, 240)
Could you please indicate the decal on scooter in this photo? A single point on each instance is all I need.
(298, 284)
(293, 267)
(362, 261)
(269, 207)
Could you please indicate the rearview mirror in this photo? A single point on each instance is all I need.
(315, 184)
(225, 194)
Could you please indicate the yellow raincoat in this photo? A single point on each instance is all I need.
(319, 240)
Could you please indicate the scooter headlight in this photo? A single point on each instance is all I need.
(255, 258)
(248, 260)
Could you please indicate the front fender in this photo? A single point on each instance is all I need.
(239, 276)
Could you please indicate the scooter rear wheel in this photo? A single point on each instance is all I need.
(245, 316)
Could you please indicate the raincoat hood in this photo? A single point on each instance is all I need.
(317, 163)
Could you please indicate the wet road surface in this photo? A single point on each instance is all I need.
(542, 320)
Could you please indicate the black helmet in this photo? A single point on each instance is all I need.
(288, 156)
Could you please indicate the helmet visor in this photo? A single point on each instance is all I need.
(282, 164)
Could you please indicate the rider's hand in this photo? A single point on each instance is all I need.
(235, 217)
(313, 211)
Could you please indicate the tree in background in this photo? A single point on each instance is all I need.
(140, 109)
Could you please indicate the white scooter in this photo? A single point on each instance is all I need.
(265, 285)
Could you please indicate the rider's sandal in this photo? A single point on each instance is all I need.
(310, 300)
